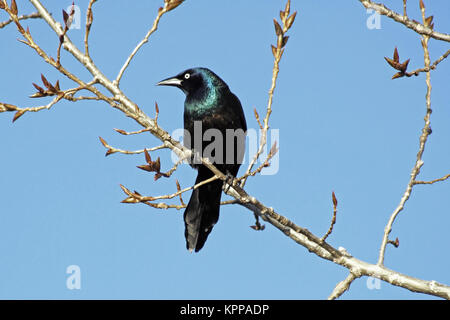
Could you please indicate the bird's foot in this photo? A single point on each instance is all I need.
(230, 181)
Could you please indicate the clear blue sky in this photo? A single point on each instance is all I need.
(344, 126)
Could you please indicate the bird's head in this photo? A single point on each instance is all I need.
(194, 79)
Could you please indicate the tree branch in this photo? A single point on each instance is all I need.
(433, 181)
(426, 131)
(34, 15)
(342, 286)
(432, 67)
(167, 7)
(403, 19)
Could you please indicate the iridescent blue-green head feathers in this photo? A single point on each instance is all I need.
(203, 88)
(193, 80)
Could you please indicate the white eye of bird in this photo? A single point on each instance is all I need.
(187, 76)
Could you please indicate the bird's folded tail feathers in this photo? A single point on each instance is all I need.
(202, 211)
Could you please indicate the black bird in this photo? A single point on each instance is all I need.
(211, 110)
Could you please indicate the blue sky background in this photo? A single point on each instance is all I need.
(344, 126)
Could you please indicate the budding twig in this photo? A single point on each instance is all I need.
(287, 21)
(29, 41)
(68, 19)
(333, 220)
(273, 151)
(89, 20)
(395, 242)
(135, 197)
(422, 142)
(110, 150)
(257, 119)
(51, 90)
(432, 67)
(126, 133)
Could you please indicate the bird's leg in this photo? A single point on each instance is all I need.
(230, 181)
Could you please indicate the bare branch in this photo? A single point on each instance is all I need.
(411, 24)
(273, 151)
(34, 15)
(131, 132)
(111, 149)
(21, 111)
(134, 197)
(342, 286)
(423, 140)
(167, 7)
(171, 171)
(432, 67)
(433, 181)
(52, 91)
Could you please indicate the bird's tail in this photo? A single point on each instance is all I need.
(202, 211)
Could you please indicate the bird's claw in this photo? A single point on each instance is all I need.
(229, 182)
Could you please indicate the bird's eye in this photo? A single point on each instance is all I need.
(187, 76)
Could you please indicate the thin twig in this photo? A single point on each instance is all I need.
(111, 149)
(34, 15)
(277, 53)
(154, 27)
(31, 43)
(134, 197)
(432, 67)
(419, 162)
(89, 20)
(273, 151)
(179, 189)
(58, 96)
(333, 219)
(68, 18)
(126, 133)
(433, 181)
(257, 119)
(171, 171)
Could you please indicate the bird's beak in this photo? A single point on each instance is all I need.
(170, 82)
